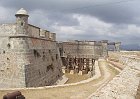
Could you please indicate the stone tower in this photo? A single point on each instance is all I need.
(15, 48)
(29, 56)
(21, 22)
(21, 46)
(21, 29)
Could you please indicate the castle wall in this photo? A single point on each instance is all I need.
(126, 84)
(82, 49)
(45, 63)
(29, 56)
(12, 61)
(33, 31)
(7, 29)
(12, 73)
(86, 51)
(80, 55)
(98, 51)
(105, 49)
(28, 62)
(37, 32)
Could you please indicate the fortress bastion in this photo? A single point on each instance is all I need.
(29, 56)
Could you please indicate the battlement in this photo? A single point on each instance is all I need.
(22, 28)
(85, 42)
(29, 56)
(40, 33)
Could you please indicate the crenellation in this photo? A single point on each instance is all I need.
(28, 56)
(33, 31)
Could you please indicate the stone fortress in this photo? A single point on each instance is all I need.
(79, 56)
(31, 57)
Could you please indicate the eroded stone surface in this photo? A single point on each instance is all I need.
(29, 56)
(124, 85)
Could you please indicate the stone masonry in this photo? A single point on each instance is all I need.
(79, 56)
(29, 56)
(126, 84)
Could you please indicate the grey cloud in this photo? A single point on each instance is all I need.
(48, 13)
(125, 12)
(63, 19)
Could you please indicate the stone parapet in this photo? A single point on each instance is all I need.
(123, 86)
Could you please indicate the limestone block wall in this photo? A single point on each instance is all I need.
(98, 50)
(12, 61)
(4, 41)
(53, 37)
(105, 49)
(42, 33)
(81, 49)
(12, 74)
(37, 32)
(45, 63)
(69, 49)
(33, 31)
(29, 56)
(86, 49)
(28, 62)
(125, 85)
(7, 29)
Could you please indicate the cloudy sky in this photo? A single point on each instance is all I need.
(114, 20)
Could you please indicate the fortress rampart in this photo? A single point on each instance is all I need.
(126, 84)
(29, 55)
(79, 56)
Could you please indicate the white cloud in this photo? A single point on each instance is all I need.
(134, 29)
(87, 25)
(92, 23)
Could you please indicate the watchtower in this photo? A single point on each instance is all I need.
(21, 22)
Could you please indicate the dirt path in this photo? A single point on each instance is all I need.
(73, 78)
(80, 91)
